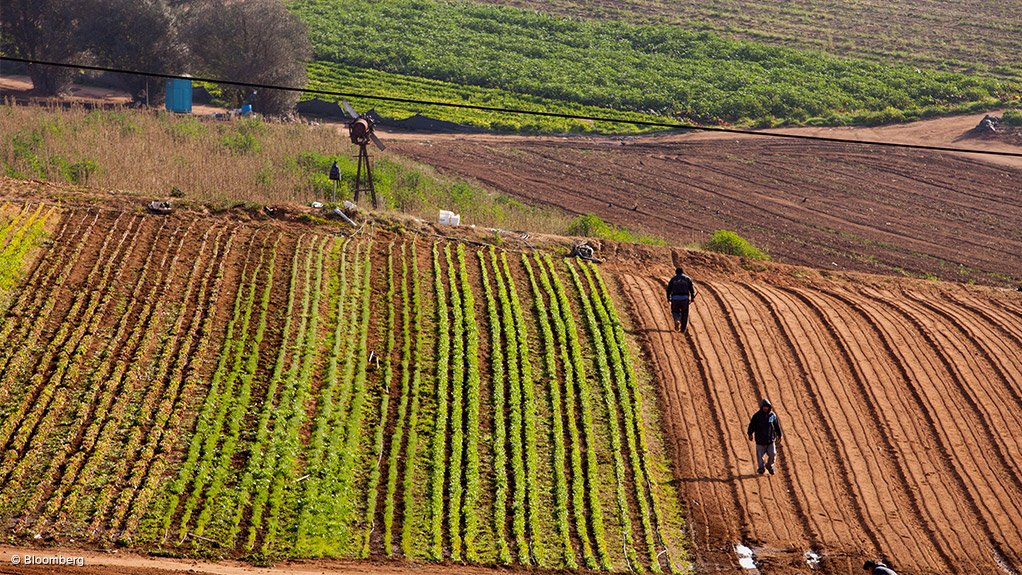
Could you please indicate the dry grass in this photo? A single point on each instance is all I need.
(226, 162)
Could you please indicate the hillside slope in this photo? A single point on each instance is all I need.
(835, 206)
(899, 401)
(236, 385)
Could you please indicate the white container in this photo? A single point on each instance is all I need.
(448, 218)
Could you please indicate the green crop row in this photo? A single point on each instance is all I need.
(438, 463)
(244, 492)
(557, 428)
(578, 393)
(381, 425)
(407, 544)
(658, 69)
(472, 383)
(632, 408)
(334, 76)
(390, 501)
(605, 377)
(515, 434)
(497, 377)
(619, 401)
(340, 468)
(455, 461)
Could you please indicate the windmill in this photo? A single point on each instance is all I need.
(360, 130)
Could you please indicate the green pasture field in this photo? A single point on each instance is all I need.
(662, 70)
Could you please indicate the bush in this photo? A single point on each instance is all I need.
(1012, 117)
(592, 226)
(728, 242)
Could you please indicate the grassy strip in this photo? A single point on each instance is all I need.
(33, 302)
(413, 416)
(500, 433)
(580, 393)
(636, 406)
(388, 379)
(625, 392)
(557, 427)
(454, 485)
(390, 501)
(516, 435)
(472, 383)
(19, 242)
(438, 466)
(604, 373)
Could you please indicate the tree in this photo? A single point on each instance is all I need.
(138, 35)
(43, 30)
(256, 41)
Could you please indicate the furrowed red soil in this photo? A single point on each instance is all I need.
(826, 205)
(896, 398)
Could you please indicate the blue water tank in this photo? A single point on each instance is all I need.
(179, 96)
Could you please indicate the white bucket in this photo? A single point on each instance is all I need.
(448, 218)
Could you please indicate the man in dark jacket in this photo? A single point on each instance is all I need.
(766, 430)
(680, 292)
(875, 568)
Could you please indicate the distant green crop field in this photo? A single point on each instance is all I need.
(652, 69)
(982, 37)
(339, 77)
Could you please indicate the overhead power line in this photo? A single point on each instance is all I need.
(608, 119)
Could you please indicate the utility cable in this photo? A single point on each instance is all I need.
(608, 119)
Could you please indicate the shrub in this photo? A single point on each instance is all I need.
(1012, 117)
(592, 226)
(728, 242)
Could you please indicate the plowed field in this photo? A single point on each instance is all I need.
(234, 385)
(900, 402)
(832, 206)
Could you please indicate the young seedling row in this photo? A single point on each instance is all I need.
(239, 390)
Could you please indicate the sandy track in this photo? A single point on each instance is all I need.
(900, 406)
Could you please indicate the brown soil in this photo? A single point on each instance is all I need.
(896, 398)
(899, 398)
(826, 205)
(126, 563)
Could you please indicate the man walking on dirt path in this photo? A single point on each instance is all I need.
(680, 292)
(874, 568)
(765, 428)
